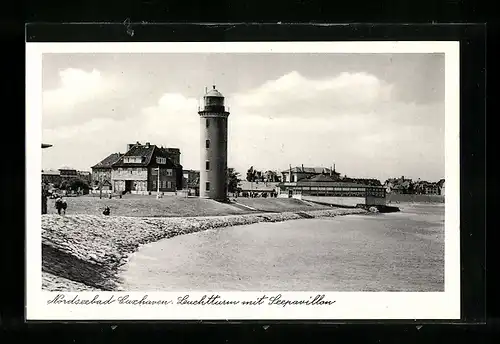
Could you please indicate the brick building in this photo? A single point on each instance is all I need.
(136, 171)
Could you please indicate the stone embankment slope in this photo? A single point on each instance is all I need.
(86, 251)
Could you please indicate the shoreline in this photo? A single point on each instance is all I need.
(85, 252)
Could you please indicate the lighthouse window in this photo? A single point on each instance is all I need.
(207, 165)
(207, 144)
(207, 122)
(207, 186)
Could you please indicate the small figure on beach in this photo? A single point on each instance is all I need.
(61, 206)
(106, 211)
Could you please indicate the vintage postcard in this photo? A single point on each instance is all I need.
(265, 180)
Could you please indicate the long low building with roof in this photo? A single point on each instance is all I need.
(294, 174)
(328, 189)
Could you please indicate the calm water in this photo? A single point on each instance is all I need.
(381, 252)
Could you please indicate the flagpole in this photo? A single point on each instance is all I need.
(158, 184)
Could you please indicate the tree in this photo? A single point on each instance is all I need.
(232, 180)
(251, 174)
(76, 184)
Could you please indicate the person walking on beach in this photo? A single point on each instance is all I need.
(106, 211)
(61, 206)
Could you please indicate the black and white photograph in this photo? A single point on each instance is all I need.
(243, 180)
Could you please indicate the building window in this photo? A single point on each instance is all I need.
(207, 165)
(154, 184)
(207, 186)
(169, 185)
(207, 144)
(207, 122)
(169, 172)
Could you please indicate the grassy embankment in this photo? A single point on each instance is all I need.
(84, 249)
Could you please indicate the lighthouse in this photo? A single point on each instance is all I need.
(213, 141)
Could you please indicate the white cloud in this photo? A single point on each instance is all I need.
(295, 95)
(173, 122)
(350, 120)
(76, 88)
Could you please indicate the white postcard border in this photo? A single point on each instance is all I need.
(352, 305)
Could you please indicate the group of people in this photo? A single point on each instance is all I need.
(61, 207)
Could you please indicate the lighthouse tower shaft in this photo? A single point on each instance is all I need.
(213, 141)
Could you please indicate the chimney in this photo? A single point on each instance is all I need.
(331, 171)
(147, 144)
(129, 146)
(302, 167)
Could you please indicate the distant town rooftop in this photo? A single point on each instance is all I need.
(66, 168)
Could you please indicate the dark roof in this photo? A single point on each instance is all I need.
(147, 152)
(368, 181)
(108, 161)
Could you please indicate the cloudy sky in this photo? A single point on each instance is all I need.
(373, 115)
